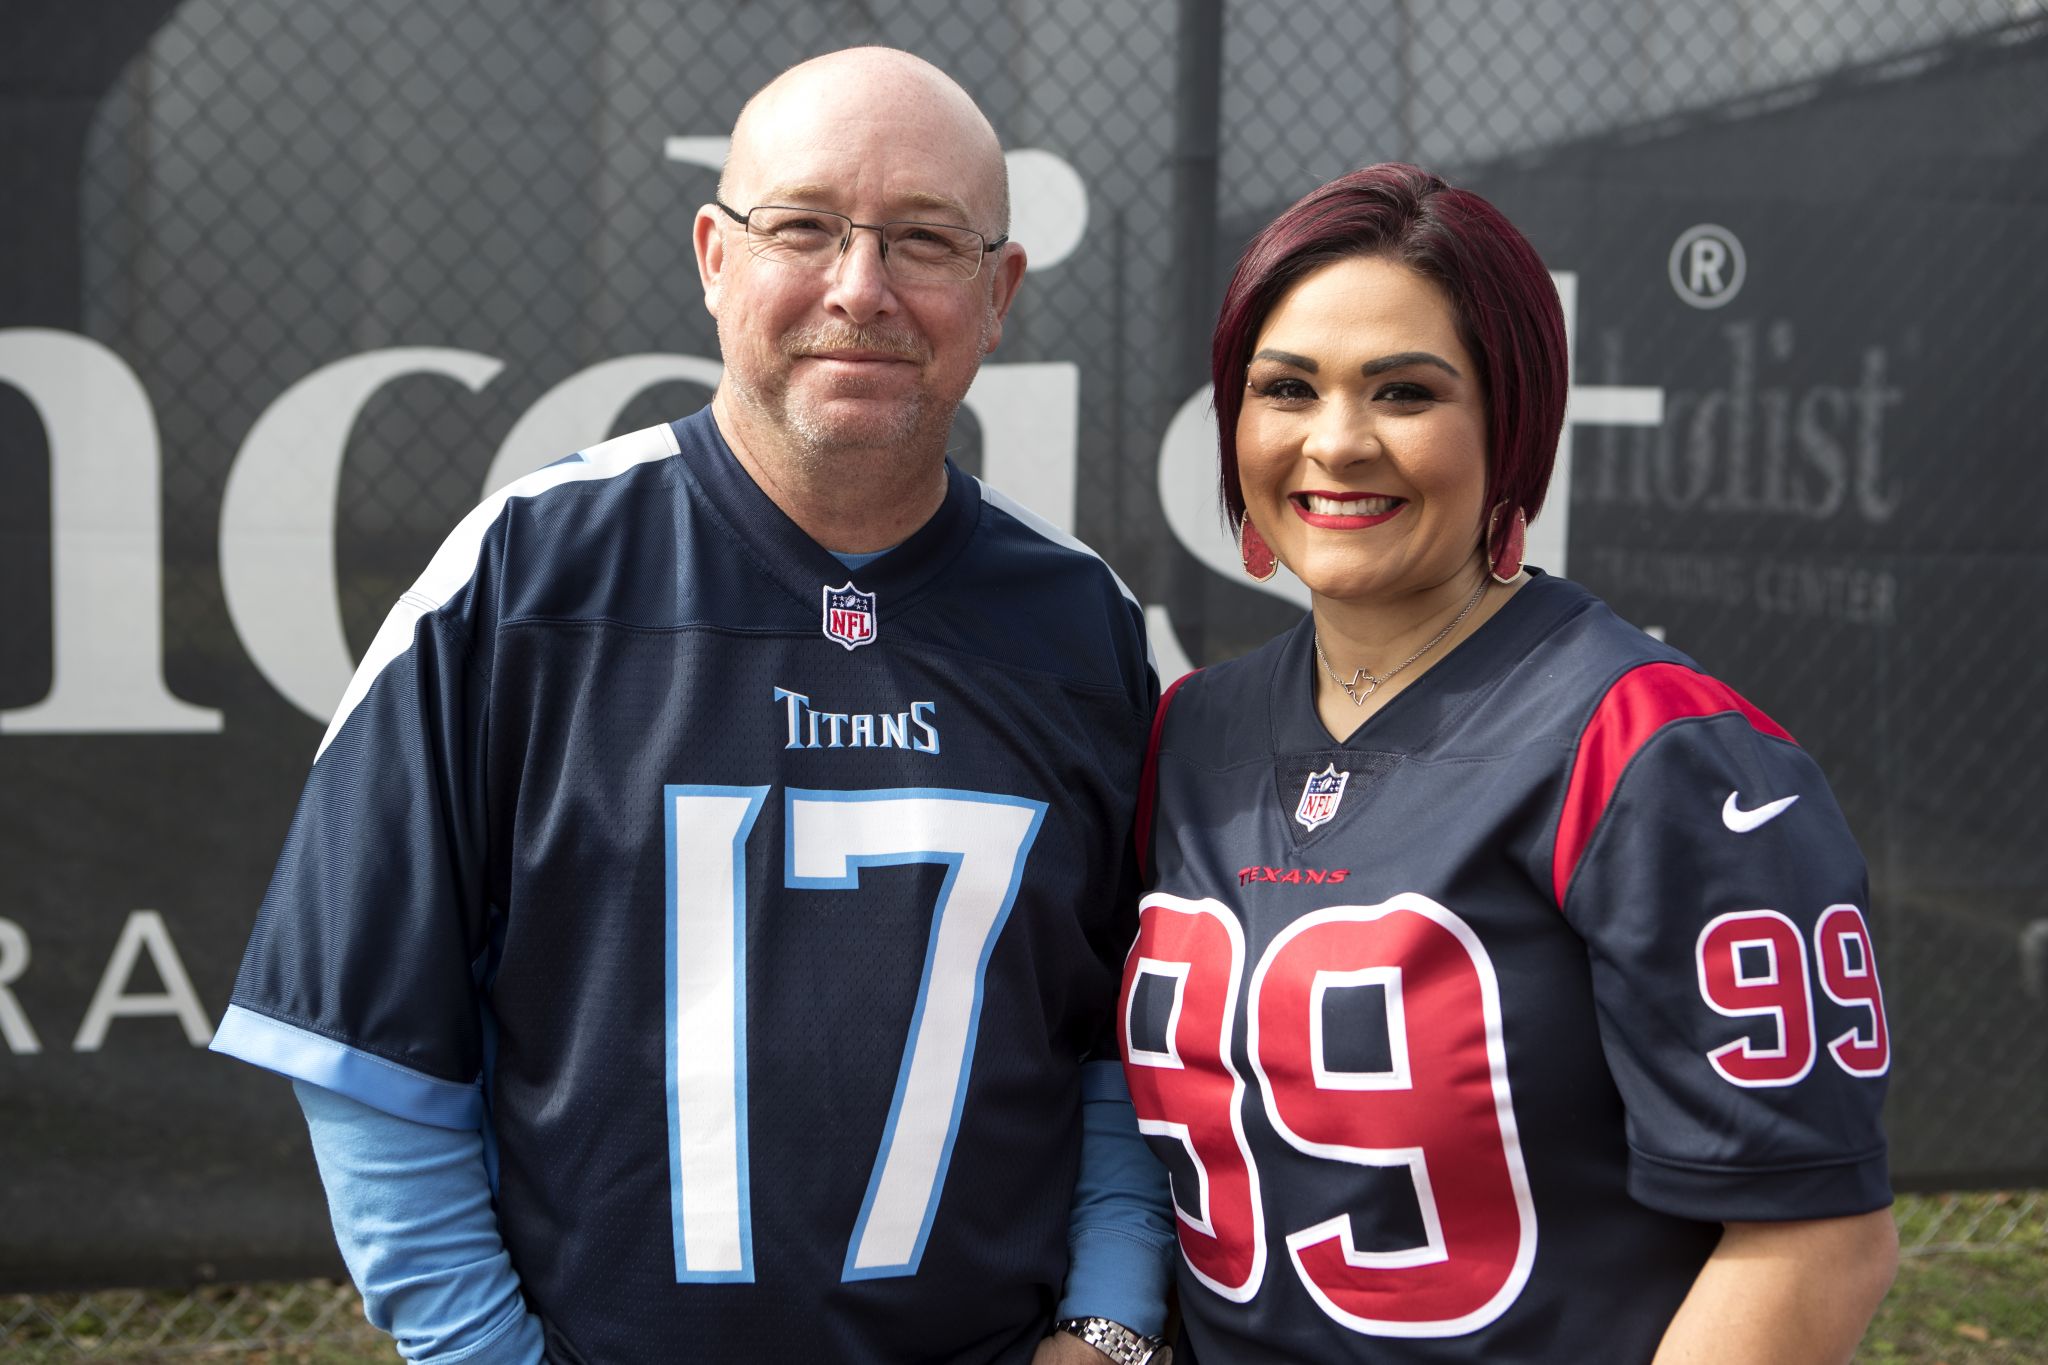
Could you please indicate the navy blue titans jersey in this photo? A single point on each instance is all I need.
(761, 909)
(1463, 1037)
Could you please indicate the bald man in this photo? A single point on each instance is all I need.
(841, 377)
(700, 929)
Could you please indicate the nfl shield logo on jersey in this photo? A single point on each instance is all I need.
(850, 615)
(1320, 797)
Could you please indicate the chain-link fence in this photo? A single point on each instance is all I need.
(363, 259)
(216, 1321)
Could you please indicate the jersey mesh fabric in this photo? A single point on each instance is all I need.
(629, 650)
(1470, 1124)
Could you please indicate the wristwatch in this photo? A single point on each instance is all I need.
(1117, 1341)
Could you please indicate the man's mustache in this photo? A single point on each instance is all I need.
(826, 337)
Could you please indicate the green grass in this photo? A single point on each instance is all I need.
(311, 1322)
(1964, 1308)
(1982, 1300)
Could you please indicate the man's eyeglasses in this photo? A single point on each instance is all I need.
(813, 239)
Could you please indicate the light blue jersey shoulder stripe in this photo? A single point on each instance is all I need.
(302, 1055)
(454, 564)
(1005, 503)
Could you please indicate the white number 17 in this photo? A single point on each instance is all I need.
(983, 839)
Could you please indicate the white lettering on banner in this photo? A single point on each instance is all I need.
(144, 932)
(1048, 206)
(106, 567)
(277, 564)
(278, 572)
(1030, 418)
(1612, 405)
(14, 957)
(1748, 446)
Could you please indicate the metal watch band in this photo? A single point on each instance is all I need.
(1114, 1340)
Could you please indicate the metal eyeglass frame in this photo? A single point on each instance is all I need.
(988, 245)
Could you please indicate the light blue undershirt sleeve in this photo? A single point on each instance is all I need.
(411, 1205)
(1120, 1235)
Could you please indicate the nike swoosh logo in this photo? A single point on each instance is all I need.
(1743, 821)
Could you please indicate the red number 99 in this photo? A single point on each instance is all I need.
(1441, 1109)
(1753, 962)
(1190, 1091)
(1848, 973)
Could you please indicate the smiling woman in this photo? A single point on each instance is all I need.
(1544, 1079)
(1362, 446)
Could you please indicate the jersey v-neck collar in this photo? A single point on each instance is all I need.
(1411, 720)
(792, 560)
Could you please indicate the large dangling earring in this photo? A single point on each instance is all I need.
(1507, 531)
(1259, 561)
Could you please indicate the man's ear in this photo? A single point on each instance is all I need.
(710, 246)
(1009, 274)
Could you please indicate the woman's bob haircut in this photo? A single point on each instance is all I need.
(1507, 310)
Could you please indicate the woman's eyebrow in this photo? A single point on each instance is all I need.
(1299, 362)
(1395, 362)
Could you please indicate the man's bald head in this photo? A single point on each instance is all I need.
(869, 83)
(841, 379)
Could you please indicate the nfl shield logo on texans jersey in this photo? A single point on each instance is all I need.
(1320, 797)
(850, 615)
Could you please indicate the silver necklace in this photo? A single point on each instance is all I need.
(1364, 684)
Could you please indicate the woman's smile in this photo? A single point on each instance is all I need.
(1345, 511)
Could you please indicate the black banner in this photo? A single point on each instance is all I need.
(1838, 294)
(288, 288)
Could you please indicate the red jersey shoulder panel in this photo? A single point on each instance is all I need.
(1636, 706)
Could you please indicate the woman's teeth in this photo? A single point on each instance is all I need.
(1347, 507)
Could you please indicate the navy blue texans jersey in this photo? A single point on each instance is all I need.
(1461, 1038)
(760, 909)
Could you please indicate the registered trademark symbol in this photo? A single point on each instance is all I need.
(1707, 265)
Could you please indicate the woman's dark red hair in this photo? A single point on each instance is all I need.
(1508, 312)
